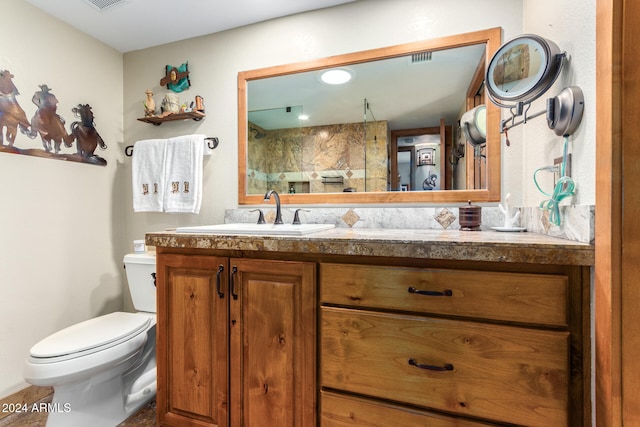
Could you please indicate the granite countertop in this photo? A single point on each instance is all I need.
(489, 246)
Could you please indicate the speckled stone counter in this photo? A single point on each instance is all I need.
(489, 246)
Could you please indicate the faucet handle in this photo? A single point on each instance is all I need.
(260, 217)
(296, 217)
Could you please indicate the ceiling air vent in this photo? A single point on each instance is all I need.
(420, 57)
(103, 5)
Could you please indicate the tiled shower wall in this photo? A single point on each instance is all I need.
(319, 159)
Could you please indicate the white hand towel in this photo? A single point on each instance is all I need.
(183, 174)
(147, 167)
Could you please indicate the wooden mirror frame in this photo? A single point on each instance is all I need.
(491, 37)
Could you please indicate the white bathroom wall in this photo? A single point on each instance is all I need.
(215, 60)
(60, 222)
(571, 24)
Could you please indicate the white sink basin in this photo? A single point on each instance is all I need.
(256, 229)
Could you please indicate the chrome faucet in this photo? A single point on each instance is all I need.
(267, 197)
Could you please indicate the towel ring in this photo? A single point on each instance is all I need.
(212, 143)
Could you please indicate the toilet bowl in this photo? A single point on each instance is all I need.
(104, 369)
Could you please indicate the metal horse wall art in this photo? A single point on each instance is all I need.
(48, 124)
(12, 115)
(86, 136)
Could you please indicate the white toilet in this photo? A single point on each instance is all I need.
(102, 370)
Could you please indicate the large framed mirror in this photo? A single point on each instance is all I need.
(389, 134)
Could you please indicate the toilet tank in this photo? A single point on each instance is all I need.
(141, 276)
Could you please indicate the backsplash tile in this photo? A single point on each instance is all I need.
(350, 218)
(445, 218)
(577, 221)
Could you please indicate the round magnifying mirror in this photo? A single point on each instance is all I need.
(474, 125)
(522, 70)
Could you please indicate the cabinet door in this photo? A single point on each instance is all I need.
(273, 319)
(192, 340)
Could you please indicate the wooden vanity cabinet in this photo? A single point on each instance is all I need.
(236, 341)
(252, 338)
(449, 347)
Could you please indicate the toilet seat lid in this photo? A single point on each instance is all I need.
(106, 330)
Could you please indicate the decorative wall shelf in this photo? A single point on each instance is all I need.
(157, 120)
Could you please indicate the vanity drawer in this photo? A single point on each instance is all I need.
(347, 411)
(503, 373)
(517, 297)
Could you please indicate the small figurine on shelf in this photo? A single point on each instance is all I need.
(149, 105)
(170, 104)
(189, 108)
(199, 103)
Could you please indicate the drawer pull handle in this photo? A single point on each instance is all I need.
(445, 293)
(218, 285)
(445, 367)
(234, 271)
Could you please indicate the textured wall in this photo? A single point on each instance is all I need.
(571, 25)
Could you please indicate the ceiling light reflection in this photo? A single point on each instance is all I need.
(336, 77)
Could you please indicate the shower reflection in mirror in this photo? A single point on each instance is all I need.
(293, 157)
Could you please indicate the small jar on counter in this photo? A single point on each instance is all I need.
(470, 217)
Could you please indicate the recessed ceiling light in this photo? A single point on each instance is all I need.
(336, 76)
(303, 117)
